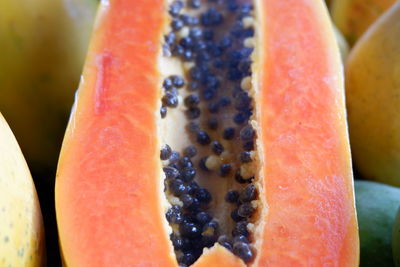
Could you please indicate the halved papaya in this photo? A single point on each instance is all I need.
(208, 133)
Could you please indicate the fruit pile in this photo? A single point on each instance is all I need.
(203, 133)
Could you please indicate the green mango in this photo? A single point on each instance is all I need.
(377, 205)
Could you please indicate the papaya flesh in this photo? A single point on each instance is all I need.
(377, 205)
(21, 228)
(353, 17)
(228, 147)
(372, 90)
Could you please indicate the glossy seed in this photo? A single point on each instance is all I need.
(174, 157)
(240, 229)
(177, 187)
(243, 251)
(247, 133)
(225, 169)
(240, 238)
(240, 118)
(224, 241)
(175, 8)
(229, 133)
(235, 216)
(245, 210)
(232, 196)
(202, 163)
(203, 217)
(203, 195)
(249, 193)
(185, 162)
(177, 81)
(165, 152)
(190, 151)
(174, 215)
(163, 112)
(188, 174)
(217, 147)
(191, 100)
(194, 3)
(193, 113)
(176, 24)
(248, 145)
(203, 138)
(170, 172)
(189, 230)
(187, 259)
(170, 100)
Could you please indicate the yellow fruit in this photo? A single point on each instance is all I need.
(21, 227)
(342, 43)
(43, 44)
(373, 99)
(353, 17)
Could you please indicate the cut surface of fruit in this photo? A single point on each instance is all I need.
(21, 227)
(222, 123)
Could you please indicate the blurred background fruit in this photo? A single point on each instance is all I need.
(353, 17)
(43, 44)
(343, 46)
(377, 206)
(373, 100)
(396, 240)
(21, 228)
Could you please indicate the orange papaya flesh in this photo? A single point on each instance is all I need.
(109, 190)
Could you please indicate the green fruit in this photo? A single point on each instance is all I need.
(377, 205)
(396, 240)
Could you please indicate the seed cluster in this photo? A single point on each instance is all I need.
(213, 39)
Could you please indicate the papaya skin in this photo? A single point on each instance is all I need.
(109, 186)
(373, 87)
(21, 228)
(377, 205)
(353, 17)
(43, 44)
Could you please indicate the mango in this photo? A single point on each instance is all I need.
(43, 44)
(373, 100)
(21, 227)
(353, 17)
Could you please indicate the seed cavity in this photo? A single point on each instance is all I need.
(213, 41)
